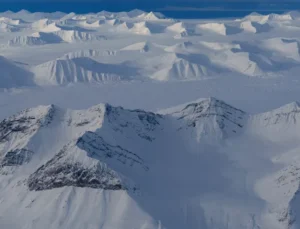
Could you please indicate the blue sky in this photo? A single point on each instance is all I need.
(172, 8)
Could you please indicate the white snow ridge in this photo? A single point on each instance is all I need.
(77, 70)
(101, 126)
(38, 38)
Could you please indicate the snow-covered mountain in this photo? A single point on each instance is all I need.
(37, 38)
(179, 29)
(89, 53)
(204, 164)
(211, 118)
(79, 70)
(134, 165)
(171, 66)
(150, 45)
(218, 28)
(53, 35)
(142, 47)
(77, 36)
(152, 16)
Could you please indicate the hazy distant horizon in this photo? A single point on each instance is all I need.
(194, 10)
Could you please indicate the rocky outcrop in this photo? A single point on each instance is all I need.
(95, 146)
(16, 157)
(141, 122)
(57, 173)
(16, 133)
(26, 122)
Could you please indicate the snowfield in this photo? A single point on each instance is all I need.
(134, 120)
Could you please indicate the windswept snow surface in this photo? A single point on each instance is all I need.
(134, 120)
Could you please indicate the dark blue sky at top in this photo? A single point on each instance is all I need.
(171, 8)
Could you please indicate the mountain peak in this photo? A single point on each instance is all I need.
(285, 110)
(293, 106)
(210, 106)
(211, 119)
(23, 11)
(279, 125)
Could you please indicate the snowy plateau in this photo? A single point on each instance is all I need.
(132, 120)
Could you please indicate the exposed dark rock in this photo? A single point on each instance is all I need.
(287, 113)
(48, 117)
(16, 157)
(82, 123)
(143, 122)
(95, 145)
(58, 173)
(24, 123)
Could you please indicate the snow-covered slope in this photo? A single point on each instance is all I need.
(77, 36)
(40, 24)
(93, 24)
(284, 121)
(286, 47)
(11, 21)
(78, 70)
(179, 29)
(50, 28)
(151, 16)
(142, 47)
(213, 27)
(256, 17)
(89, 53)
(212, 120)
(38, 38)
(113, 22)
(13, 75)
(141, 28)
(114, 159)
(5, 27)
(124, 27)
(52, 34)
(172, 66)
(218, 28)
(59, 149)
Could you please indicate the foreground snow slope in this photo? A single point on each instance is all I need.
(185, 167)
